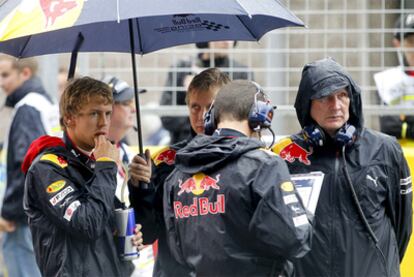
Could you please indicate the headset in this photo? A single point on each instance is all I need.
(315, 136)
(260, 114)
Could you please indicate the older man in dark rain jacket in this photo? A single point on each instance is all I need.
(363, 217)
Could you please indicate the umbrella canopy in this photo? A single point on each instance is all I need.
(39, 27)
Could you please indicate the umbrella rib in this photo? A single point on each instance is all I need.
(139, 37)
(24, 47)
(247, 28)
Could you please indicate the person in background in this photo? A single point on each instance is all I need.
(396, 85)
(212, 54)
(34, 115)
(122, 120)
(230, 207)
(148, 202)
(363, 217)
(69, 194)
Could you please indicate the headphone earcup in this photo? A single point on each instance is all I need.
(260, 115)
(209, 122)
(345, 135)
(314, 135)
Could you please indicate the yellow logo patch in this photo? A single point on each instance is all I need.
(56, 186)
(61, 162)
(287, 186)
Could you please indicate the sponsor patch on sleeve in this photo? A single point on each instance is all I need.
(300, 220)
(71, 209)
(165, 155)
(56, 186)
(289, 199)
(61, 195)
(287, 186)
(59, 161)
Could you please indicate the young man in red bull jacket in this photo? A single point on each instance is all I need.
(69, 194)
(148, 202)
(230, 208)
(363, 216)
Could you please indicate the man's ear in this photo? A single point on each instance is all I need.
(26, 73)
(69, 121)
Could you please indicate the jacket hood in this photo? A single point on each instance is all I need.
(320, 79)
(37, 147)
(207, 153)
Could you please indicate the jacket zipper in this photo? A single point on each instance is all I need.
(332, 200)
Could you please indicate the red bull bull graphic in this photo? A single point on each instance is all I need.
(293, 151)
(166, 155)
(53, 9)
(36, 16)
(197, 185)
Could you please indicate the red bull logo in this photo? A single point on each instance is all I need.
(198, 184)
(200, 206)
(165, 156)
(293, 151)
(36, 16)
(53, 9)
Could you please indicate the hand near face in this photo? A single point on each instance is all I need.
(104, 148)
(140, 169)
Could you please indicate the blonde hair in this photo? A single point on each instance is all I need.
(79, 93)
(20, 64)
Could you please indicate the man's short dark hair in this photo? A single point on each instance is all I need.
(235, 100)
(207, 80)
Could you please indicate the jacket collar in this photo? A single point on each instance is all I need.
(32, 85)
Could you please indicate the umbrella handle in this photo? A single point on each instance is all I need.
(142, 184)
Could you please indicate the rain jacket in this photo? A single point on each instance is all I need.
(341, 244)
(34, 115)
(69, 199)
(232, 210)
(149, 212)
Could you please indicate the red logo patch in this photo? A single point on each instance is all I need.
(293, 151)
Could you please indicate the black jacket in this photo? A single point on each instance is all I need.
(226, 212)
(179, 126)
(25, 127)
(70, 200)
(379, 173)
(148, 205)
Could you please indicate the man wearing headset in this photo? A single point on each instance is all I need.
(230, 207)
(148, 202)
(363, 217)
(212, 54)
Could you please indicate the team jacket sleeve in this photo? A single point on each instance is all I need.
(82, 210)
(402, 202)
(25, 128)
(148, 203)
(280, 220)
